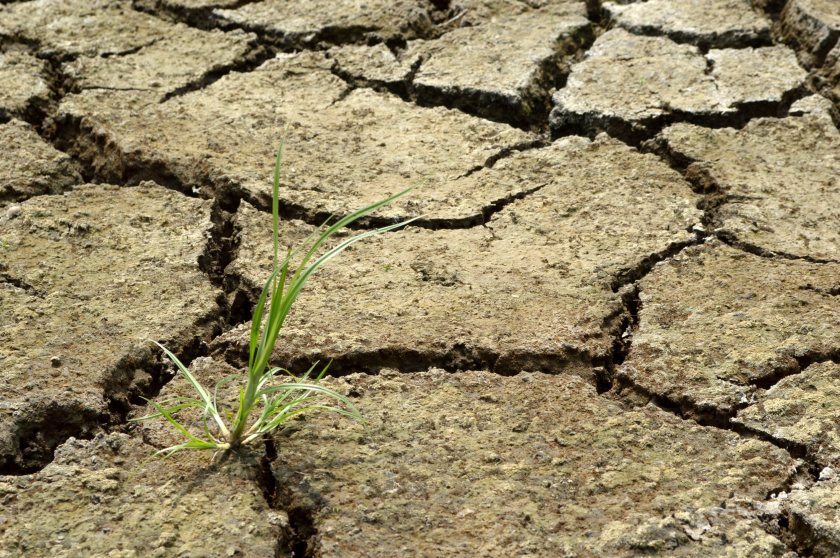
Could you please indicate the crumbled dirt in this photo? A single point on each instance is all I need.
(717, 324)
(88, 279)
(625, 259)
(533, 289)
(773, 177)
(813, 517)
(711, 24)
(31, 166)
(802, 410)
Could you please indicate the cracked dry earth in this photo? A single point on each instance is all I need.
(613, 331)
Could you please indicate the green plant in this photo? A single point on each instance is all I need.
(276, 401)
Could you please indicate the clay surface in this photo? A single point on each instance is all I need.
(715, 24)
(774, 176)
(716, 325)
(533, 289)
(31, 166)
(87, 280)
(534, 464)
(25, 93)
(612, 329)
(629, 84)
(802, 410)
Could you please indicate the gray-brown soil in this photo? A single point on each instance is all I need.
(613, 330)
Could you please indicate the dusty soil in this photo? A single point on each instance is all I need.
(614, 329)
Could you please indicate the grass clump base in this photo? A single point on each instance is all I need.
(264, 402)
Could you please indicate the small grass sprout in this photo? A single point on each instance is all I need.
(264, 402)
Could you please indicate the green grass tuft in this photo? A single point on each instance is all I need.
(266, 404)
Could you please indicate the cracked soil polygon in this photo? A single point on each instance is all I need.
(109, 496)
(31, 166)
(802, 410)
(716, 324)
(502, 69)
(531, 465)
(345, 150)
(89, 278)
(533, 289)
(629, 84)
(715, 23)
(342, 21)
(26, 92)
(779, 179)
(812, 26)
(814, 517)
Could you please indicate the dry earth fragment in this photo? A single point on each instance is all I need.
(530, 465)
(813, 27)
(814, 517)
(502, 69)
(628, 85)
(802, 410)
(30, 166)
(716, 324)
(779, 179)
(532, 289)
(307, 24)
(167, 65)
(712, 23)
(345, 150)
(26, 92)
(71, 28)
(88, 279)
(110, 497)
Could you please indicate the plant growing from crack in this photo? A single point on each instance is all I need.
(266, 404)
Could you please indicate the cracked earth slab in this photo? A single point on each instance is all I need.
(812, 27)
(344, 151)
(70, 28)
(802, 410)
(502, 69)
(166, 66)
(530, 465)
(26, 92)
(114, 48)
(814, 518)
(628, 85)
(717, 324)
(779, 179)
(533, 289)
(709, 24)
(110, 497)
(30, 166)
(89, 279)
(307, 24)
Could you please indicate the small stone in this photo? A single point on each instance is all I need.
(55, 361)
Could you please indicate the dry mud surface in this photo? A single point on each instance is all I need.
(613, 330)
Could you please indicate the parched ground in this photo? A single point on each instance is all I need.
(613, 331)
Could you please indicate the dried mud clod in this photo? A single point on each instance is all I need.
(467, 462)
(536, 288)
(99, 272)
(631, 86)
